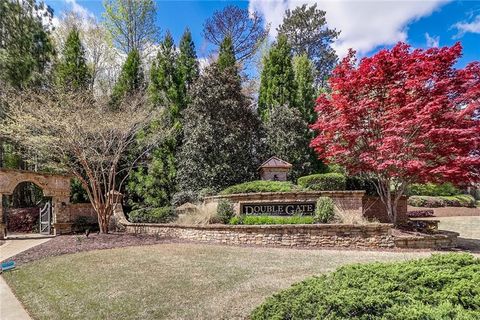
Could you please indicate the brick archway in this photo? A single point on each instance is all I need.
(56, 186)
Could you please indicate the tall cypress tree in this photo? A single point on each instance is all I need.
(277, 81)
(226, 54)
(131, 78)
(72, 72)
(187, 66)
(305, 81)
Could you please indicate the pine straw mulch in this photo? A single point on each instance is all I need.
(67, 244)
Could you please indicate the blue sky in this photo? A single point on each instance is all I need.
(365, 26)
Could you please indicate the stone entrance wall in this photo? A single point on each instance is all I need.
(56, 186)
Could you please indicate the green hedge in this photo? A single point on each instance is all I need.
(257, 220)
(224, 212)
(443, 286)
(260, 186)
(152, 215)
(431, 189)
(462, 200)
(323, 182)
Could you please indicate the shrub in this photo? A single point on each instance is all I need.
(23, 219)
(323, 182)
(224, 212)
(84, 223)
(152, 215)
(205, 192)
(336, 168)
(361, 183)
(431, 189)
(444, 286)
(258, 220)
(183, 197)
(260, 186)
(420, 213)
(462, 200)
(324, 210)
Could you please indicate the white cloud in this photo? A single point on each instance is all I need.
(364, 25)
(465, 27)
(432, 41)
(80, 10)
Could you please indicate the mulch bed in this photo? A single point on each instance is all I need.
(78, 243)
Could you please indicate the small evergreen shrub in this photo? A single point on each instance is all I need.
(431, 189)
(183, 197)
(260, 220)
(260, 186)
(361, 183)
(443, 286)
(461, 200)
(224, 212)
(205, 192)
(324, 210)
(323, 182)
(152, 215)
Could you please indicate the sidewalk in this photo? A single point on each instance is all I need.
(10, 307)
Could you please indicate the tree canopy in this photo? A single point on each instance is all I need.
(402, 116)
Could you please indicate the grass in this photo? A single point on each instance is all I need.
(171, 281)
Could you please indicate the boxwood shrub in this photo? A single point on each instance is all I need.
(152, 215)
(444, 286)
(224, 212)
(323, 182)
(461, 200)
(431, 189)
(260, 186)
(258, 220)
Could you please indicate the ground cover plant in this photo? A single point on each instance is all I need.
(440, 287)
(258, 220)
(323, 182)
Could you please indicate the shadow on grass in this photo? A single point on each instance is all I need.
(472, 245)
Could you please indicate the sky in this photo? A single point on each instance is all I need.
(365, 26)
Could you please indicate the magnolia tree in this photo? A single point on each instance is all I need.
(85, 137)
(402, 116)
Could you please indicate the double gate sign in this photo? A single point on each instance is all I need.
(278, 208)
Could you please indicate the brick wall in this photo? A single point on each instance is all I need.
(374, 208)
(80, 209)
(327, 235)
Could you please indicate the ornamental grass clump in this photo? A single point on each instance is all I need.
(324, 210)
(444, 286)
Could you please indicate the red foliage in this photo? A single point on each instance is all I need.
(23, 219)
(403, 115)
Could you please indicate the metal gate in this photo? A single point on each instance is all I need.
(45, 218)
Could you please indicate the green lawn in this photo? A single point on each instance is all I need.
(171, 281)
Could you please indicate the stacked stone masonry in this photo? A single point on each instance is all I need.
(328, 235)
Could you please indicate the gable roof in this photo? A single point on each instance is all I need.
(275, 162)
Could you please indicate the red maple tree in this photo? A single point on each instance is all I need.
(402, 116)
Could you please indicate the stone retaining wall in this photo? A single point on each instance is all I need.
(322, 235)
(439, 240)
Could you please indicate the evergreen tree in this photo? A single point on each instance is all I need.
(221, 134)
(72, 71)
(286, 137)
(154, 184)
(307, 32)
(25, 46)
(226, 54)
(187, 65)
(305, 94)
(131, 78)
(277, 81)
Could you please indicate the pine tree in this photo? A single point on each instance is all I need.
(131, 78)
(277, 81)
(221, 134)
(72, 71)
(305, 94)
(226, 54)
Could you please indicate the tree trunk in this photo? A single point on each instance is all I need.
(104, 213)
